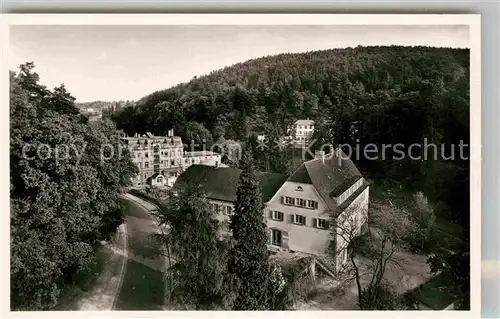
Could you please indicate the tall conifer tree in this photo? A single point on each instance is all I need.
(248, 258)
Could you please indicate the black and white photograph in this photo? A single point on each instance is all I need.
(254, 165)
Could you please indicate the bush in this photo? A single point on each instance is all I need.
(380, 298)
(422, 237)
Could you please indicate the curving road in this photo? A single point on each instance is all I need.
(142, 286)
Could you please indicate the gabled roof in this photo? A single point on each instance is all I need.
(330, 176)
(304, 122)
(221, 183)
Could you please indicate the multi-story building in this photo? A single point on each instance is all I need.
(302, 131)
(163, 157)
(306, 212)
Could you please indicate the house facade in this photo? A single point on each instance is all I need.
(321, 203)
(302, 131)
(323, 195)
(164, 155)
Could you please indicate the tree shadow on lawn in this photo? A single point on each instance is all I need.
(142, 288)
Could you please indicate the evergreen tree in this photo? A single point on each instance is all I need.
(248, 258)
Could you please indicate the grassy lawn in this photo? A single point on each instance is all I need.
(82, 282)
(142, 288)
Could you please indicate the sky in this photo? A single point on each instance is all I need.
(112, 63)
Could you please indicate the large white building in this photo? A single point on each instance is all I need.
(301, 131)
(324, 196)
(163, 157)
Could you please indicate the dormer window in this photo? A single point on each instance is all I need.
(299, 189)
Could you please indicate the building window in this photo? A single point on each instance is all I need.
(277, 237)
(289, 200)
(228, 210)
(172, 163)
(299, 188)
(321, 223)
(156, 168)
(226, 225)
(156, 148)
(299, 219)
(300, 202)
(146, 154)
(146, 165)
(276, 215)
(341, 199)
(339, 260)
(312, 204)
(217, 208)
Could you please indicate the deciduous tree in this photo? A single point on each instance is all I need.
(197, 274)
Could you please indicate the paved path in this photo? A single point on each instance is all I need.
(143, 285)
(108, 285)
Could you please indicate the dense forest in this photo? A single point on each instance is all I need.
(357, 96)
(104, 107)
(63, 196)
(381, 95)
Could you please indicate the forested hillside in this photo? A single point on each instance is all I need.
(64, 196)
(104, 106)
(381, 95)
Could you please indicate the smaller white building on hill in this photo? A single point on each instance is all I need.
(302, 131)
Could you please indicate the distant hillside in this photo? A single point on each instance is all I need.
(103, 106)
(284, 87)
(380, 95)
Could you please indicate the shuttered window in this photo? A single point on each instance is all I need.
(312, 204)
(276, 215)
(276, 237)
(321, 223)
(289, 200)
(300, 202)
(299, 219)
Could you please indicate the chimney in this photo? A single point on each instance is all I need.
(320, 155)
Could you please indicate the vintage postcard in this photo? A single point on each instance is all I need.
(243, 162)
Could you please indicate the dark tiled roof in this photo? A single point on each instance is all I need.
(331, 175)
(344, 186)
(221, 183)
